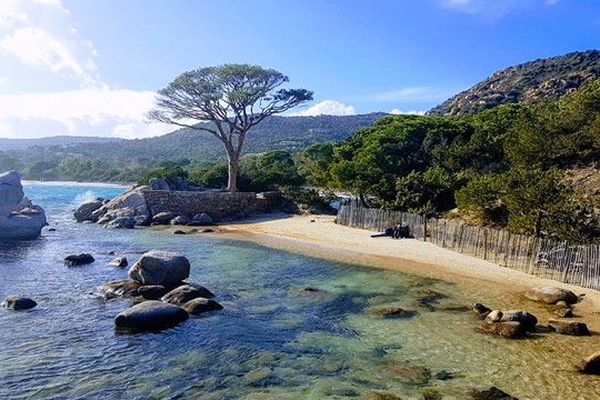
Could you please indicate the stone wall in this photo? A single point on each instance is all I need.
(217, 204)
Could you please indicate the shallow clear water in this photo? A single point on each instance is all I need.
(270, 342)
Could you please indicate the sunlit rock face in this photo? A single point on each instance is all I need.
(19, 218)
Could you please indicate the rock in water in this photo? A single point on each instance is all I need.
(78, 259)
(591, 365)
(492, 393)
(160, 268)
(201, 305)
(19, 218)
(120, 288)
(151, 315)
(152, 292)
(185, 293)
(163, 218)
(527, 320)
(509, 329)
(551, 295)
(131, 204)
(394, 312)
(119, 262)
(572, 328)
(481, 311)
(121, 223)
(85, 211)
(18, 303)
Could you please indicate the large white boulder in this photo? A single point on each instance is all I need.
(128, 205)
(160, 268)
(19, 218)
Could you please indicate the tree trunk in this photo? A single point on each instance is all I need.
(233, 172)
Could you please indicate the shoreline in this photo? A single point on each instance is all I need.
(483, 281)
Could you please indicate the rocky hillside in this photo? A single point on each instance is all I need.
(545, 79)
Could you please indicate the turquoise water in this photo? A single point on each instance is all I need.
(271, 341)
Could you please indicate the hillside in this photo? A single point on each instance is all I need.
(102, 160)
(22, 144)
(544, 79)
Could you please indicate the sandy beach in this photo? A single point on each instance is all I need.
(319, 236)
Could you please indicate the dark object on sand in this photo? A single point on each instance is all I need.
(395, 232)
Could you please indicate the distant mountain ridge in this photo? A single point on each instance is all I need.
(543, 79)
(274, 133)
(22, 144)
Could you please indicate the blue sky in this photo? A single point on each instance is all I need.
(91, 67)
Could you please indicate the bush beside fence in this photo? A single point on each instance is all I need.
(559, 260)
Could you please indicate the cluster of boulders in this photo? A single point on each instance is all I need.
(157, 283)
(130, 210)
(517, 323)
(20, 219)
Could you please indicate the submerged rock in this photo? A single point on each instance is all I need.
(160, 268)
(18, 303)
(120, 288)
(75, 260)
(185, 293)
(119, 262)
(394, 312)
(572, 328)
(379, 396)
(151, 315)
(551, 295)
(19, 218)
(201, 305)
(411, 374)
(509, 329)
(492, 393)
(591, 364)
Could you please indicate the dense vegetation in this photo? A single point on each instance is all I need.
(506, 167)
(129, 160)
(546, 79)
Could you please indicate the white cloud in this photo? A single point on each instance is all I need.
(397, 111)
(418, 94)
(39, 33)
(37, 47)
(494, 9)
(99, 111)
(328, 107)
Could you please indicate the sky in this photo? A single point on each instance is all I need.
(92, 67)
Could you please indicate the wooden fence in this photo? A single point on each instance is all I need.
(559, 260)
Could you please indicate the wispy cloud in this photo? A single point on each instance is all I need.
(328, 107)
(397, 111)
(40, 34)
(494, 9)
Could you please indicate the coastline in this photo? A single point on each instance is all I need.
(76, 184)
(483, 281)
